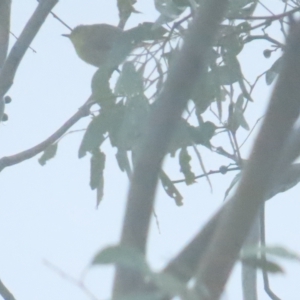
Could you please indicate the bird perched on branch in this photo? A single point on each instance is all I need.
(103, 44)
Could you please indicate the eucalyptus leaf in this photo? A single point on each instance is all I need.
(185, 167)
(273, 71)
(123, 256)
(97, 169)
(170, 188)
(48, 154)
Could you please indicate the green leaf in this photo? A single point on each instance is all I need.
(94, 135)
(130, 82)
(125, 8)
(236, 117)
(170, 188)
(266, 265)
(123, 256)
(169, 285)
(101, 92)
(48, 154)
(97, 168)
(132, 126)
(273, 71)
(185, 167)
(241, 8)
(146, 31)
(123, 161)
(234, 181)
(277, 251)
(202, 134)
(230, 42)
(226, 74)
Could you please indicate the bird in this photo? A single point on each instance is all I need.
(108, 45)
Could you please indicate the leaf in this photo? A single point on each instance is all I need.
(130, 82)
(94, 135)
(169, 10)
(125, 8)
(170, 188)
(234, 181)
(169, 285)
(132, 126)
(277, 251)
(185, 167)
(273, 71)
(236, 117)
(231, 43)
(226, 74)
(97, 168)
(123, 161)
(123, 256)
(48, 154)
(268, 266)
(202, 134)
(241, 8)
(146, 31)
(101, 92)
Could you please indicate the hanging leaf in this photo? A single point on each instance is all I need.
(131, 128)
(101, 92)
(236, 116)
(185, 167)
(273, 71)
(48, 154)
(170, 188)
(130, 82)
(267, 265)
(276, 251)
(123, 256)
(94, 135)
(97, 168)
(202, 134)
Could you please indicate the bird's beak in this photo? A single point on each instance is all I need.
(66, 35)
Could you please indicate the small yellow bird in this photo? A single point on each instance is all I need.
(103, 44)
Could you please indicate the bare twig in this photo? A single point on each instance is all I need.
(79, 283)
(20, 157)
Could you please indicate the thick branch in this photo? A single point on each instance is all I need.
(239, 214)
(5, 6)
(5, 293)
(18, 50)
(190, 63)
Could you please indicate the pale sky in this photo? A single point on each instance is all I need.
(48, 213)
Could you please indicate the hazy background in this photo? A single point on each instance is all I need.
(48, 213)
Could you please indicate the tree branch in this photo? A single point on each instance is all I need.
(5, 6)
(190, 64)
(29, 153)
(237, 218)
(5, 293)
(21, 45)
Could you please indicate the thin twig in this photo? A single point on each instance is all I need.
(29, 153)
